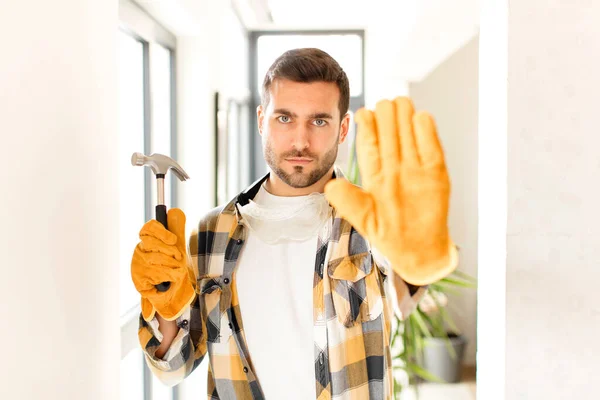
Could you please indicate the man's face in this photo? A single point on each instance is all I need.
(301, 129)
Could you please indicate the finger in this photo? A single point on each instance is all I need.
(353, 204)
(367, 147)
(428, 143)
(150, 244)
(145, 276)
(387, 134)
(404, 119)
(176, 222)
(150, 291)
(157, 230)
(158, 259)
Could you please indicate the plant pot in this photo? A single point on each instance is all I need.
(440, 362)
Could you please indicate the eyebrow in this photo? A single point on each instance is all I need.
(318, 115)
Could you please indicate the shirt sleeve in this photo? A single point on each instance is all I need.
(186, 351)
(402, 296)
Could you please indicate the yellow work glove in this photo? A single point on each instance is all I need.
(161, 256)
(402, 207)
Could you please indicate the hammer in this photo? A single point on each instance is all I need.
(160, 165)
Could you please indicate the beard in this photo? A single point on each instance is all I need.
(300, 177)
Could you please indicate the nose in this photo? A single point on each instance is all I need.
(300, 138)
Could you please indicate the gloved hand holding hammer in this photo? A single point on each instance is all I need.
(161, 256)
(160, 268)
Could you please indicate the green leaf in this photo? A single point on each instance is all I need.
(446, 316)
(438, 329)
(396, 333)
(458, 282)
(464, 276)
(419, 344)
(416, 316)
(449, 320)
(446, 289)
(351, 159)
(352, 173)
(355, 174)
(423, 373)
(397, 387)
(442, 286)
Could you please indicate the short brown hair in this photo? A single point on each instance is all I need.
(308, 65)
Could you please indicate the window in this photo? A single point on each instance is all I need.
(160, 93)
(132, 376)
(233, 158)
(131, 180)
(146, 125)
(345, 48)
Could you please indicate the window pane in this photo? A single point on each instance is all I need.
(160, 93)
(346, 49)
(132, 376)
(244, 155)
(162, 392)
(194, 386)
(131, 180)
(233, 150)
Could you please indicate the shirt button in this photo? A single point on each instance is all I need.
(184, 322)
(239, 241)
(321, 359)
(245, 370)
(226, 280)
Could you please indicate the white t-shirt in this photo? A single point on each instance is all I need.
(274, 283)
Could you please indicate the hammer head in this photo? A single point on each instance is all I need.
(160, 164)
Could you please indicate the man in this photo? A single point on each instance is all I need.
(284, 291)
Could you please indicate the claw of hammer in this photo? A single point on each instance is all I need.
(160, 165)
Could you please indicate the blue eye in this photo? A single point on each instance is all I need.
(283, 119)
(320, 122)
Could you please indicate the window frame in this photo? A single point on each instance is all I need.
(137, 23)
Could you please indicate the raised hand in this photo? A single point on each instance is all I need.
(402, 207)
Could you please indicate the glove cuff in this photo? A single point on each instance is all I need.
(419, 274)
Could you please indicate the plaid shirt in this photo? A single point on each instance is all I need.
(352, 304)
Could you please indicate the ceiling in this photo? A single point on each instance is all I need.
(411, 36)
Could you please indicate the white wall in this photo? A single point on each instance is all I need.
(546, 94)
(491, 279)
(552, 274)
(214, 60)
(450, 93)
(382, 79)
(197, 75)
(59, 240)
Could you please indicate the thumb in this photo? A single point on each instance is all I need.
(353, 204)
(176, 223)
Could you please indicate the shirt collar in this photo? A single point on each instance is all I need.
(244, 197)
(248, 194)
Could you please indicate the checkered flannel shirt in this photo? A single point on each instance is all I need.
(353, 311)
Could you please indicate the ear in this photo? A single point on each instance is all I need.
(345, 126)
(260, 117)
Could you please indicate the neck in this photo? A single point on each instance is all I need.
(277, 187)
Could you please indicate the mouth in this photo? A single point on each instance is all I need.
(299, 161)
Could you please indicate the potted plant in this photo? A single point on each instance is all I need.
(431, 347)
(427, 345)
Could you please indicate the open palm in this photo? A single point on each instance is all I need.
(402, 207)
